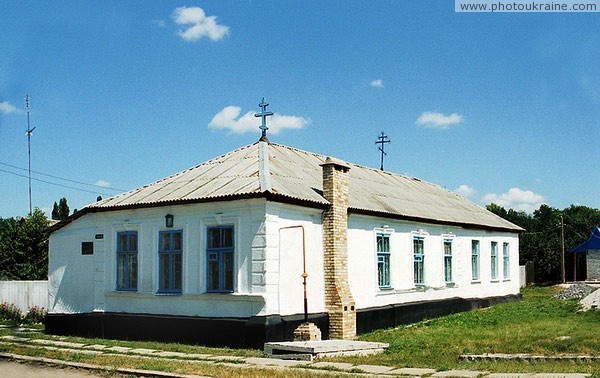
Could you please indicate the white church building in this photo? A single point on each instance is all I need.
(243, 248)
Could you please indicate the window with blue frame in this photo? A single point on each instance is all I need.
(170, 254)
(475, 260)
(506, 261)
(383, 260)
(419, 261)
(127, 253)
(219, 251)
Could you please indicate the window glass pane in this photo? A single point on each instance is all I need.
(121, 241)
(506, 261)
(447, 247)
(227, 237)
(165, 241)
(213, 238)
(448, 268)
(177, 271)
(213, 275)
(228, 267)
(133, 271)
(132, 242)
(121, 266)
(164, 271)
(177, 241)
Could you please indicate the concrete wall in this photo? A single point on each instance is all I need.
(593, 265)
(24, 294)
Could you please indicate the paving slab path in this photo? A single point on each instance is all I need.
(243, 362)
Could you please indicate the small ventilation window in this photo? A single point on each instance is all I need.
(87, 248)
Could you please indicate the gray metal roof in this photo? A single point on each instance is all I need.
(263, 168)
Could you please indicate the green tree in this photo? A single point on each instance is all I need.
(63, 209)
(60, 210)
(541, 241)
(24, 247)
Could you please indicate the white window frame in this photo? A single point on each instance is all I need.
(494, 260)
(448, 273)
(475, 260)
(506, 260)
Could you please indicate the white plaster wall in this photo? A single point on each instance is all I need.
(84, 283)
(268, 261)
(362, 263)
(70, 274)
(286, 251)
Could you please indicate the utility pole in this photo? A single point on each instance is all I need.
(562, 243)
(29, 131)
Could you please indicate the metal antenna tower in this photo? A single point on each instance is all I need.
(382, 139)
(29, 131)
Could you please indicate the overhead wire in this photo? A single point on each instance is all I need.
(59, 178)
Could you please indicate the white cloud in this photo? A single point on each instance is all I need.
(160, 23)
(229, 119)
(515, 198)
(465, 191)
(438, 120)
(198, 24)
(102, 183)
(7, 108)
(377, 83)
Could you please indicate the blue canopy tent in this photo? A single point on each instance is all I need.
(593, 243)
(586, 258)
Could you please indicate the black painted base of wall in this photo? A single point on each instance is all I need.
(390, 316)
(233, 332)
(250, 332)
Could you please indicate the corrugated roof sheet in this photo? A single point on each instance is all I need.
(297, 175)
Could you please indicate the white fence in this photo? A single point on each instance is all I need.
(24, 294)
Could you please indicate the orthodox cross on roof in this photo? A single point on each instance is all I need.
(382, 139)
(263, 114)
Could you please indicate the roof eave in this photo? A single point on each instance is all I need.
(467, 225)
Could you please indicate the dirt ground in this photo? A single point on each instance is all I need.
(11, 369)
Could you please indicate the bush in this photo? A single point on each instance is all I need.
(12, 313)
(35, 315)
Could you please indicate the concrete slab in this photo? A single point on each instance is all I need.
(119, 349)
(412, 371)
(96, 346)
(374, 369)
(274, 362)
(510, 375)
(199, 356)
(325, 348)
(459, 373)
(561, 375)
(170, 354)
(226, 358)
(144, 351)
(334, 365)
(15, 338)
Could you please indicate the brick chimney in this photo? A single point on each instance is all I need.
(338, 298)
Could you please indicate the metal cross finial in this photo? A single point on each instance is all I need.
(382, 139)
(263, 114)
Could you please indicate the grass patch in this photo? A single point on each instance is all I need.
(538, 324)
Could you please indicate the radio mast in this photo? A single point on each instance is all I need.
(29, 131)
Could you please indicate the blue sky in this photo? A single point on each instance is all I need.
(501, 107)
